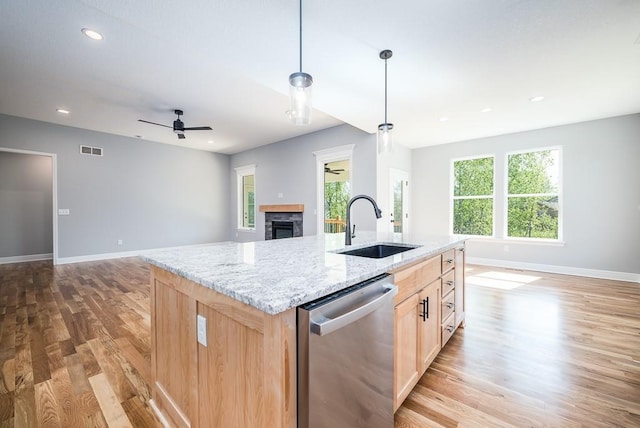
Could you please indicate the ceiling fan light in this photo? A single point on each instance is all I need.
(385, 138)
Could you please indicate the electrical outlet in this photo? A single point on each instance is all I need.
(280, 195)
(202, 330)
(119, 241)
(64, 211)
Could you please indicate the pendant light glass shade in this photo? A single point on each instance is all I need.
(385, 140)
(300, 94)
(300, 91)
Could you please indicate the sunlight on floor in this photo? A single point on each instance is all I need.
(500, 280)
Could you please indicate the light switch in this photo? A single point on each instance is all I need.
(64, 211)
(202, 330)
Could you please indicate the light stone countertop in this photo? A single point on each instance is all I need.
(277, 275)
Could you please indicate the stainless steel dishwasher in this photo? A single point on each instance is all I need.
(345, 357)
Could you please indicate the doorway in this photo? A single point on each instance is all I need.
(38, 216)
(337, 192)
(399, 201)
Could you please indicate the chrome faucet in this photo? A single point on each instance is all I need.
(348, 233)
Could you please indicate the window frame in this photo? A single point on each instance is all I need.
(241, 172)
(505, 231)
(453, 198)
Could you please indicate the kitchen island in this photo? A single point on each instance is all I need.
(236, 366)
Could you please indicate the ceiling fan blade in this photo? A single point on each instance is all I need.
(199, 128)
(153, 123)
(181, 137)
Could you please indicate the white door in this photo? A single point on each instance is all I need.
(399, 201)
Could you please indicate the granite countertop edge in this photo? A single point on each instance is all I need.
(281, 288)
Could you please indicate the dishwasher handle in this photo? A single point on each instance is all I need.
(323, 325)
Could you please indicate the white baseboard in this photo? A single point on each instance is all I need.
(119, 255)
(566, 270)
(28, 258)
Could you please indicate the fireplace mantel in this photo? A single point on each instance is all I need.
(282, 208)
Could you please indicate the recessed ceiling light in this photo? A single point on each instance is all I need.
(444, 119)
(62, 111)
(485, 110)
(92, 34)
(138, 136)
(536, 99)
(210, 141)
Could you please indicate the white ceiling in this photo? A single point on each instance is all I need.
(226, 64)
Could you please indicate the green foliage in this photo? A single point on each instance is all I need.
(336, 197)
(531, 173)
(533, 216)
(473, 216)
(473, 177)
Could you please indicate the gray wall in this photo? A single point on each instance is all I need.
(149, 195)
(601, 194)
(289, 167)
(26, 204)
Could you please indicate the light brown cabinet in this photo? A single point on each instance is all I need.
(428, 325)
(430, 294)
(246, 376)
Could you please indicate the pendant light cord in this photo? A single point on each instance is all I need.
(300, 36)
(385, 90)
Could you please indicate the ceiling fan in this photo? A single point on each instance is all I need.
(336, 171)
(178, 125)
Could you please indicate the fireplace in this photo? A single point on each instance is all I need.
(282, 221)
(281, 229)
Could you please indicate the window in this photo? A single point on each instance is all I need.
(246, 197)
(533, 194)
(473, 196)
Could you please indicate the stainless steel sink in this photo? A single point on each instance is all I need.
(379, 251)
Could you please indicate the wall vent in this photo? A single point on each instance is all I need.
(92, 151)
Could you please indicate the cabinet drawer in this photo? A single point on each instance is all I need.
(414, 278)
(447, 329)
(448, 282)
(448, 260)
(448, 305)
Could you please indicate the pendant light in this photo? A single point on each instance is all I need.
(385, 143)
(300, 91)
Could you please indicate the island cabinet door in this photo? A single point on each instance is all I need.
(429, 324)
(407, 363)
(174, 364)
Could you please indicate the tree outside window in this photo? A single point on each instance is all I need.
(533, 194)
(473, 196)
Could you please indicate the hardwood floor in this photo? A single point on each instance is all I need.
(538, 350)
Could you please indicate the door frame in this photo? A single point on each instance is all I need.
(334, 154)
(54, 162)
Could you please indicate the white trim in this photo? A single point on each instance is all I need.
(54, 178)
(565, 270)
(325, 156)
(519, 241)
(122, 254)
(22, 259)
(241, 172)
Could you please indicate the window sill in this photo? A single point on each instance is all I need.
(519, 241)
(246, 229)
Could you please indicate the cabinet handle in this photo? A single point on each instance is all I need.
(450, 329)
(450, 283)
(425, 309)
(461, 249)
(450, 261)
(449, 305)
